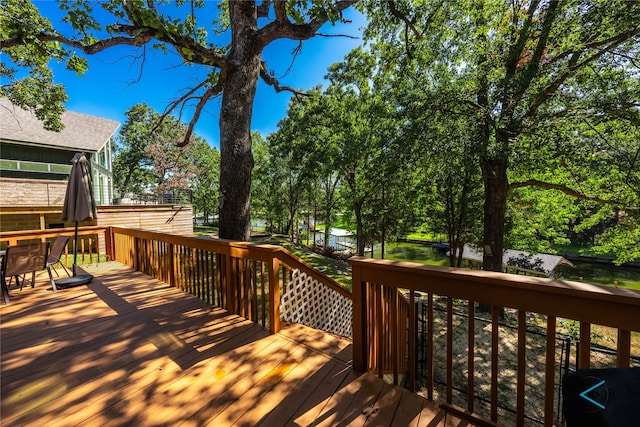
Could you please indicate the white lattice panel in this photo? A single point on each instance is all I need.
(309, 302)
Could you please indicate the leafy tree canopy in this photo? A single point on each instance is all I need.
(530, 77)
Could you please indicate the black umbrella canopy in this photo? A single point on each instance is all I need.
(79, 205)
(79, 201)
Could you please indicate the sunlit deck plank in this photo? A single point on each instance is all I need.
(128, 349)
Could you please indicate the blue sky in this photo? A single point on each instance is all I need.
(115, 82)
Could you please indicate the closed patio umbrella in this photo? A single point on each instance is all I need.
(79, 205)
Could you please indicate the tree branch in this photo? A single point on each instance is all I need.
(281, 11)
(272, 81)
(401, 16)
(562, 188)
(516, 51)
(209, 93)
(172, 106)
(348, 36)
(574, 65)
(263, 9)
(142, 38)
(282, 28)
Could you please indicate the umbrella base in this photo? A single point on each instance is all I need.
(69, 282)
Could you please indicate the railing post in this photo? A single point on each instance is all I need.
(274, 295)
(109, 247)
(360, 345)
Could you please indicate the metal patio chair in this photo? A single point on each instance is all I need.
(56, 253)
(22, 260)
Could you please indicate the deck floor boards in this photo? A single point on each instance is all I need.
(130, 350)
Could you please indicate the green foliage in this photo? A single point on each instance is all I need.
(206, 178)
(268, 196)
(147, 157)
(26, 79)
(547, 89)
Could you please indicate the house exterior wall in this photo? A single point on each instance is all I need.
(32, 164)
(31, 192)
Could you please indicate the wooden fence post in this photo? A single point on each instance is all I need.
(109, 246)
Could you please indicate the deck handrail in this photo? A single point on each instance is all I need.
(99, 246)
(244, 278)
(376, 284)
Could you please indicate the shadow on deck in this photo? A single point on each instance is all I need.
(128, 349)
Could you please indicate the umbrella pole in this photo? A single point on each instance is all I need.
(74, 280)
(75, 252)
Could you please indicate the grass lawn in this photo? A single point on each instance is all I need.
(338, 270)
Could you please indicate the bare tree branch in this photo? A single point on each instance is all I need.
(272, 81)
(348, 36)
(173, 105)
(563, 189)
(209, 93)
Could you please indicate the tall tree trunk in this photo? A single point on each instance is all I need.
(494, 173)
(236, 160)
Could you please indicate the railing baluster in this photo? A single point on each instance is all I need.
(380, 339)
(230, 279)
(522, 367)
(470, 356)
(623, 359)
(202, 276)
(211, 277)
(412, 341)
(394, 326)
(262, 298)
(430, 346)
(195, 256)
(495, 319)
(584, 356)
(220, 275)
(550, 371)
(254, 291)
(449, 350)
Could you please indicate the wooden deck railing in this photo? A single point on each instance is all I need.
(385, 325)
(94, 243)
(243, 278)
(466, 363)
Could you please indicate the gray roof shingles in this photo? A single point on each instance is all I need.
(81, 132)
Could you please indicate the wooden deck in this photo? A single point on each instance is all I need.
(129, 350)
